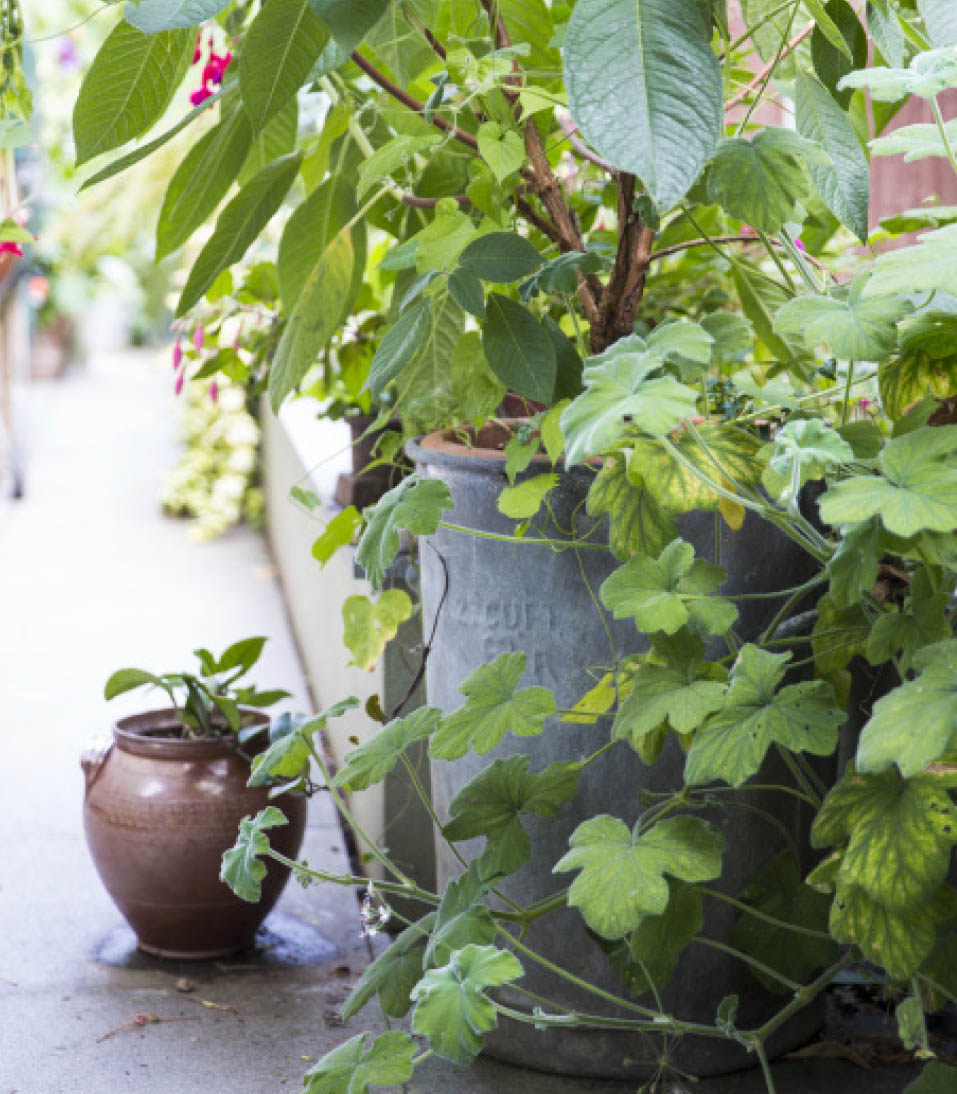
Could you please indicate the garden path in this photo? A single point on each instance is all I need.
(92, 578)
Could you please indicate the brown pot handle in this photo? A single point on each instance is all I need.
(92, 759)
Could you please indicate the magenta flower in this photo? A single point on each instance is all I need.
(200, 96)
(799, 244)
(213, 392)
(177, 355)
(180, 380)
(11, 248)
(199, 335)
(198, 51)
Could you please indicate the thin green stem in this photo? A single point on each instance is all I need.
(801, 263)
(817, 782)
(740, 955)
(556, 544)
(944, 135)
(801, 999)
(429, 808)
(846, 406)
(776, 259)
(762, 1056)
(353, 881)
(799, 777)
(757, 914)
(782, 47)
(741, 39)
(573, 1019)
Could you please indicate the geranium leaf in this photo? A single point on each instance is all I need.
(368, 628)
(644, 87)
(916, 724)
(290, 754)
(929, 264)
(372, 761)
(452, 1009)
(243, 870)
(622, 874)
(415, 505)
(854, 566)
(636, 520)
(340, 531)
(917, 491)
(128, 87)
(461, 917)
(902, 633)
(664, 594)
(393, 974)
(803, 449)
(353, 1067)
(493, 708)
(756, 714)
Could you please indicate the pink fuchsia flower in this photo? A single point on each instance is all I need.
(215, 68)
(177, 355)
(213, 392)
(199, 335)
(11, 248)
(198, 49)
(200, 96)
(180, 380)
(799, 244)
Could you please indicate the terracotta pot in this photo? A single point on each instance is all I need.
(158, 813)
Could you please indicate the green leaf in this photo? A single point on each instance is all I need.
(393, 974)
(201, 181)
(390, 157)
(928, 74)
(124, 680)
(839, 635)
(350, 20)
(519, 350)
(472, 385)
(493, 708)
(238, 225)
(636, 521)
(940, 19)
(462, 917)
(936, 1078)
(128, 87)
(927, 265)
(905, 380)
(918, 488)
(756, 714)
(466, 290)
(241, 655)
(371, 762)
(623, 385)
(760, 298)
(854, 566)
(664, 594)
(151, 16)
(856, 327)
(340, 532)
(243, 870)
(325, 298)
(622, 874)
(435, 380)
(560, 275)
(502, 149)
(277, 138)
(838, 46)
(902, 633)
(911, 1027)
(916, 724)
(678, 687)
(399, 346)
(760, 181)
(415, 505)
(492, 802)
(803, 449)
(501, 257)
(289, 754)
(279, 50)
(915, 142)
(844, 183)
(898, 834)
(352, 1067)
(452, 1009)
(645, 89)
(525, 499)
(779, 892)
(885, 29)
(370, 627)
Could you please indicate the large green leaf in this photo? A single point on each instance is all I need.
(636, 521)
(151, 16)
(917, 491)
(802, 450)
(353, 1067)
(519, 350)
(923, 267)
(279, 50)
(844, 183)
(664, 594)
(622, 873)
(452, 1009)
(124, 680)
(493, 708)
(461, 917)
(372, 761)
(277, 138)
(434, 388)
(940, 19)
(902, 633)
(937, 1077)
(855, 326)
(350, 20)
(201, 181)
(325, 298)
(399, 346)
(884, 27)
(927, 76)
(838, 45)
(128, 87)
(915, 142)
(854, 566)
(760, 181)
(415, 505)
(369, 627)
(392, 155)
(678, 688)
(243, 869)
(500, 257)
(645, 89)
(756, 714)
(491, 804)
(238, 225)
(623, 386)
(898, 834)
(393, 974)
(916, 724)
(309, 231)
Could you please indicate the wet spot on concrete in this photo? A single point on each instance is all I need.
(283, 941)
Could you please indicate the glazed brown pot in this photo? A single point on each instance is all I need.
(159, 811)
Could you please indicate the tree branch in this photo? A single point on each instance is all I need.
(761, 76)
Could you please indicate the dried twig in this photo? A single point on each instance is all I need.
(140, 1020)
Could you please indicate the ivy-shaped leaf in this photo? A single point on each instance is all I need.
(491, 804)
(353, 1067)
(678, 687)
(902, 633)
(493, 708)
(803, 449)
(623, 386)
(340, 532)
(917, 491)
(854, 566)
(373, 760)
(415, 505)
(368, 627)
(916, 724)
(461, 917)
(290, 751)
(525, 498)
(243, 870)
(622, 873)
(898, 833)
(393, 974)
(452, 1009)
(666, 593)
(636, 520)
(756, 714)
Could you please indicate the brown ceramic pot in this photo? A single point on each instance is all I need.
(159, 811)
